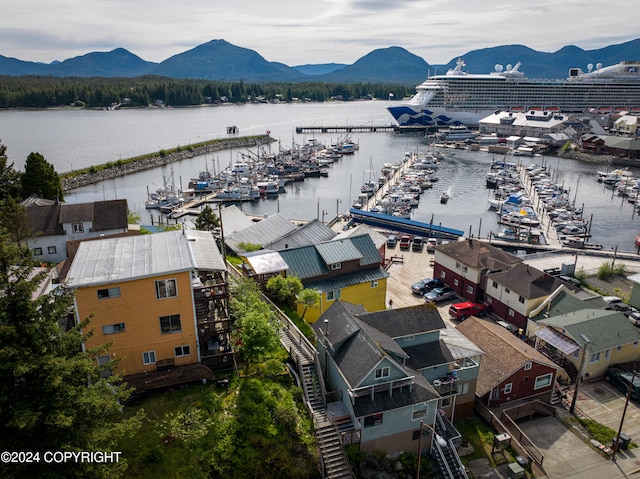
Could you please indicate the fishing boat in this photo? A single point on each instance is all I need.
(459, 97)
(444, 197)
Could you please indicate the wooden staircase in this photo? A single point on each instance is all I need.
(334, 462)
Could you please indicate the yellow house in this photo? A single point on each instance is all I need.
(348, 269)
(589, 340)
(139, 294)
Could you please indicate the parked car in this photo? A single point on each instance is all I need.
(439, 294)
(391, 241)
(622, 380)
(405, 242)
(462, 311)
(425, 285)
(634, 317)
(418, 243)
(612, 299)
(431, 242)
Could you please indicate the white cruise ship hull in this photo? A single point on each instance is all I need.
(464, 98)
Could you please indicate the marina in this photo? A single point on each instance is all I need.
(462, 173)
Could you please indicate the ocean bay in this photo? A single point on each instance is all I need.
(72, 139)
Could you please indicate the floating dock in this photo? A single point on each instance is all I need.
(361, 129)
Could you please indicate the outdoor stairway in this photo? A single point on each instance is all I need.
(448, 461)
(447, 456)
(333, 457)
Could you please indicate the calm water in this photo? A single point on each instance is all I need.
(73, 139)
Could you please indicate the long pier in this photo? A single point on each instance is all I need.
(361, 129)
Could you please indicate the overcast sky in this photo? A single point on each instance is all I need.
(297, 32)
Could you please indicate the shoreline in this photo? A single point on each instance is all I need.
(110, 170)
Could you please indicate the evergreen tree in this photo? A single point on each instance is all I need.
(207, 220)
(9, 178)
(40, 178)
(53, 396)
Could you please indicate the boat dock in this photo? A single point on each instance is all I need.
(361, 129)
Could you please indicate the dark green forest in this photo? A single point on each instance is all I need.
(97, 92)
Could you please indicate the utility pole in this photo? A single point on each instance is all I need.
(587, 341)
(624, 411)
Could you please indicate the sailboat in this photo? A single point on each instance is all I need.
(370, 187)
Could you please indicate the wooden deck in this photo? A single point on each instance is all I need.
(173, 377)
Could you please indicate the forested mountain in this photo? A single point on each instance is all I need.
(220, 60)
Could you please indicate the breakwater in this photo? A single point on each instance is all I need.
(108, 171)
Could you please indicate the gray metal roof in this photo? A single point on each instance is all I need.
(378, 239)
(204, 251)
(310, 233)
(133, 257)
(262, 232)
(266, 261)
(233, 219)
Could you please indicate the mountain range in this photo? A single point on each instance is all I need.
(223, 61)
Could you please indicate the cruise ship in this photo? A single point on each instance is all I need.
(459, 97)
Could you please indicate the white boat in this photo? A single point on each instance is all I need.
(456, 133)
(520, 219)
(238, 193)
(444, 197)
(459, 97)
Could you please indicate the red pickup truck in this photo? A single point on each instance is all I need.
(462, 311)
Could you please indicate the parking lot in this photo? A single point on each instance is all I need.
(604, 403)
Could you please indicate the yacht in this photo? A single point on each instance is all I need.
(459, 97)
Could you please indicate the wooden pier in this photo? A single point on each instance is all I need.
(361, 129)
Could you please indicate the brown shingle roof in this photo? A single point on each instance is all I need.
(526, 281)
(478, 255)
(504, 353)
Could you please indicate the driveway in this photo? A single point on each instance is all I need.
(566, 456)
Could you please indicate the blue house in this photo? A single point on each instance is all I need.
(380, 369)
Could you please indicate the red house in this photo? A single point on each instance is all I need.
(510, 369)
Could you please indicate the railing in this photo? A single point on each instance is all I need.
(528, 450)
(450, 432)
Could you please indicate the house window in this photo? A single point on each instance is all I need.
(334, 294)
(109, 293)
(512, 313)
(543, 381)
(336, 266)
(77, 228)
(463, 388)
(455, 282)
(149, 357)
(374, 283)
(37, 251)
(182, 351)
(606, 354)
(496, 394)
(507, 388)
(166, 288)
(595, 357)
(170, 324)
(373, 420)
(469, 289)
(113, 328)
(521, 299)
(104, 372)
(419, 411)
(494, 284)
(382, 373)
(527, 366)
(443, 274)
(507, 290)
(51, 250)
